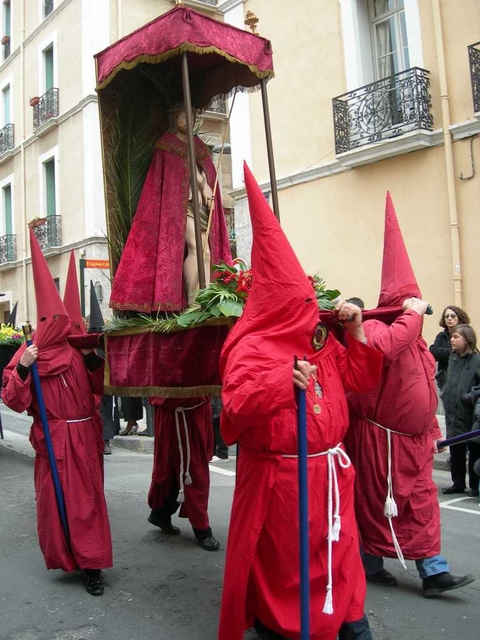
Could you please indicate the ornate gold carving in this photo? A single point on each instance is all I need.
(251, 21)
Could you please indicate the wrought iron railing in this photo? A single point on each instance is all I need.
(47, 7)
(383, 109)
(218, 105)
(8, 248)
(46, 109)
(49, 234)
(214, 3)
(474, 57)
(7, 138)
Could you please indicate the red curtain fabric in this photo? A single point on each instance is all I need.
(176, 365)
(182, 29)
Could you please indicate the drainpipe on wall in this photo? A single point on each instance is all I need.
(448, 145)
(23, 170)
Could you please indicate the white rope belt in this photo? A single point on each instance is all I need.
(334, 456)
(79, 420)
(185, 477)
(390, 509)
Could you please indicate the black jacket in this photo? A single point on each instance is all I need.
(463, 374)
(441, 349)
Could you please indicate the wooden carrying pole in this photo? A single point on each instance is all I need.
(271, 160)
(187, 101)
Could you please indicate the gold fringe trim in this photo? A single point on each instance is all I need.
(186, 46)
(134, 331)
(163, 392)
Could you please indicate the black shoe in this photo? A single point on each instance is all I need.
(166, 527)
(209, 543)
(473, 493)
(94, 582)
(445, 581)
(453, 489)
(383, 578)
(358, 630)
(266, 634)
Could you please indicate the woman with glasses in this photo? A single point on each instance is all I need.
(441, 348)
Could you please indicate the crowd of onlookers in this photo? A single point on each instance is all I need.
(458, 378)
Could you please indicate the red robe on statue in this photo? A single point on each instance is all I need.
(78, 447)
(183, 430)
(149, 276)
(405, 402)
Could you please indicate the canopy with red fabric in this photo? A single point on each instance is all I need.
(220, 56)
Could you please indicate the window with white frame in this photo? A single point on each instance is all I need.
(7, 209)
(6, 107)
(50, 187)
(380, 38)
(7, 27)
(389, 37)
(49, 71)
(47, 7)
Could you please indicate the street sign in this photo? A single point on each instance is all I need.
(97, 264)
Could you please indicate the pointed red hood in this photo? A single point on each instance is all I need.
(398, 279)
(53, 323)
(281, 312)
(71, 299)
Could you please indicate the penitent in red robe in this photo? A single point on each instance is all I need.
(262, 578)
(405, 402)
(150, 273)
(78, 448)
(196, 455)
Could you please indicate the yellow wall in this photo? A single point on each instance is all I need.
(336, 223)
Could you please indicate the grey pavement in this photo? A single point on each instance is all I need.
(20, 423)
(169, 588)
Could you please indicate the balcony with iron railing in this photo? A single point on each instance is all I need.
(48, 231)
(7, 138)
(8, 248)
(382, 110)
(45, 108)
(474, 59)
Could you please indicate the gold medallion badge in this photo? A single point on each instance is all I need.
(320, 336)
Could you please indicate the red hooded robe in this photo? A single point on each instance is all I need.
(404, 402)
(183, 429)
(75, 429)
(262, 563)
(150, 273)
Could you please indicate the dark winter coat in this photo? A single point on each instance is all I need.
(463, 374)
(473, 399)
(441, 349)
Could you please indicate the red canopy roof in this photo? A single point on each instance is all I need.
(224, 56)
